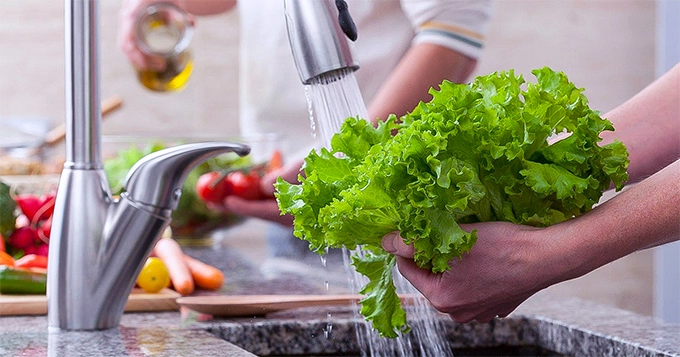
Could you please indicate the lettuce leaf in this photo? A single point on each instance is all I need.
(484, 151)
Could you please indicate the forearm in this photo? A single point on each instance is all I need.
(643, 216)
(649, 125)
(422, 67)
(195, 7)
(208, 7)
(646, 214)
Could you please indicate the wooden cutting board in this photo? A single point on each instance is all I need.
(165, 300)
(259, 305)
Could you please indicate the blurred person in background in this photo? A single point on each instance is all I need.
(404, 48)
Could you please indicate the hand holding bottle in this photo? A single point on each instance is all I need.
(155, 36)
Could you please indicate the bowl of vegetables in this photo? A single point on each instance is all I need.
(26, 207)
(193, 218)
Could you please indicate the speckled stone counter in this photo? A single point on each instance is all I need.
(570, 327)
(567, 327)
(563, 327)
(140, 334)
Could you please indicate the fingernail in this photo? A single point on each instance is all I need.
(388, 242)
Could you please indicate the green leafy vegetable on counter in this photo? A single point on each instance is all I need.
(7, 211)
(192, 216)
(484, 151)
(22, 281)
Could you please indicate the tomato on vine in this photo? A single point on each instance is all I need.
(211, 187)
(245, 185)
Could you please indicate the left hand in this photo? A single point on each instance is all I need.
(504, 268)
(267, 209)
(126, 37)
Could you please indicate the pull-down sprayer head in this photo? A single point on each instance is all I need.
(318, 31)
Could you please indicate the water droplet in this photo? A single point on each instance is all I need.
(329, 325)
(327, 330)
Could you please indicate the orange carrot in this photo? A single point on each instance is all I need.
(169, 251)
(6, 259)
(31, 261)
(205, 276)
(275, 162)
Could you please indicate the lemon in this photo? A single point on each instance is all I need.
(154, 276)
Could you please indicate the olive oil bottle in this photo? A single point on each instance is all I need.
(163, 34)
(173, 78)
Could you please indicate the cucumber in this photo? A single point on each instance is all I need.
(22, 281)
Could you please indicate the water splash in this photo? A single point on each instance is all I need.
(329, 325)
(323, 257)
(425, 337)
(333, 97)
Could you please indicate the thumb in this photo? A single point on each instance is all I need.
(394, 244)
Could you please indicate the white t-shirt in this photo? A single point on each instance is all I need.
(272, 103)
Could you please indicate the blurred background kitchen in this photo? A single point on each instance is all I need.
(608, 47)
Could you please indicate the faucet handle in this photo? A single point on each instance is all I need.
(157, 179)
(345, 20)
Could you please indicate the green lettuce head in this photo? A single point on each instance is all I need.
(497, 149)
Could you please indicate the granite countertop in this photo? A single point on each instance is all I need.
(140, 334)
(568, 326)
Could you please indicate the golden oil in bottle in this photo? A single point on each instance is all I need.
(163, 34)
(173, 78)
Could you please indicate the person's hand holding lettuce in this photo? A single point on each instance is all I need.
(474, 153)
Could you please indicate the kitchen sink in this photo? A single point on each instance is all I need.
(505, 351)
(582, 329)
(508, 337)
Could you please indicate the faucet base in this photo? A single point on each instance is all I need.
(96, 258)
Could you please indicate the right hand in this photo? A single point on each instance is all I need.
(127, 39)
(507, 265)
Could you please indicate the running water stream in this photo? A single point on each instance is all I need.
(333, 97)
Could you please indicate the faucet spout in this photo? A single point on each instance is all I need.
(157, 179)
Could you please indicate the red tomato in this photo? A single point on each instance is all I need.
(36, 208)
(245, 185)
(23, 237)
(31, 250)
(45, 229)
(43, 249)
(211, 191)
(47, 205)
(29, 205)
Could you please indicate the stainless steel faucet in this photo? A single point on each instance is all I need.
(318, 31)
(99, 243)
